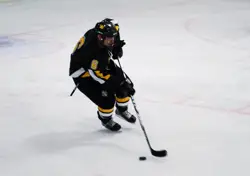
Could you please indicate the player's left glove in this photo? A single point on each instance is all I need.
(127, 88)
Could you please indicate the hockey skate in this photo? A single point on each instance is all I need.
(126, 116)
(109, 123)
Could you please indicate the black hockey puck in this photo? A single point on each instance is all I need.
(142, 158)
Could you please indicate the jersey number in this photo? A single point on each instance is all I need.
(79, 44)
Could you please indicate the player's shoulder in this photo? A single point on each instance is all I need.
(90, 36)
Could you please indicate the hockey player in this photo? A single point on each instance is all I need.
(98, 77)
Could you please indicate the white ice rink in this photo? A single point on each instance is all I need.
(193, 89)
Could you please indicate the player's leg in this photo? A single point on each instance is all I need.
(103, 99)
(122, 102)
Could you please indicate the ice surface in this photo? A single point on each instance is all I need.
(193, 90)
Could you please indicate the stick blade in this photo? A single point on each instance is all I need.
(159, 153)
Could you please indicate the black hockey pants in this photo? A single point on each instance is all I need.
(104, 99)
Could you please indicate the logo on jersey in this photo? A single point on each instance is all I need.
(94, 64)
(110, 54)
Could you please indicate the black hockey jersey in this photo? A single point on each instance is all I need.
(90, 60)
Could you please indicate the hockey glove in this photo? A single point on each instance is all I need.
(127, 88)
(118, 51)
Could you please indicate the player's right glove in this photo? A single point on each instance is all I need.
(117, 50)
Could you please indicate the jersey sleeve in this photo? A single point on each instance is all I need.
(82, 55)
(82, 52)
(109, 78)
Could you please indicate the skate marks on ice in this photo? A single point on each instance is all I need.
(100, 140)
(225, 105)
(226, 28)
(36, 43)
(61, 141)
(5, 42)
(22, 44)
(222, 105)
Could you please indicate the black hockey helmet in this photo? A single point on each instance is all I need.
(106, 28)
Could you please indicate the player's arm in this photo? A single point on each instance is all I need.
(97, 71)
(117, 50)
(81, 56)
(105, 77)
(82, 50)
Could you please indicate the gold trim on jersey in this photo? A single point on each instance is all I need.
(85, 75)
(100, 75)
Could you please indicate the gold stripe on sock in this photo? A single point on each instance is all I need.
(122, 100)
(105, 110)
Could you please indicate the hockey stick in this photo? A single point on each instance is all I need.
(157, 153)
(73, 91)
